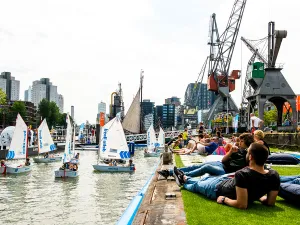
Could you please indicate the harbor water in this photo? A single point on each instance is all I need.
(92, 198)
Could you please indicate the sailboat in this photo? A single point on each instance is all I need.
(45, 144)
(113, 146)
(152, 144)
(68, 155)
(161, 139)
(18, 148)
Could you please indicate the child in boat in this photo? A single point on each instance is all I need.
(110, 163)
(114, 163)
(77, 156)
(130, 162)
(75, 167)
(27, 163)
(3, 163)
(46, 156)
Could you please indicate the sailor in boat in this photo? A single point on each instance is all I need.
(75, 167)
(3, 163)
(46, 156)
(114, 163)
(130, 164)
(27, 162)
(65, 166)
(77, 156)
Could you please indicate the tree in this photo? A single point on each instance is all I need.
(2, 97)
(50, 111)
(18, 107)
(270, 117)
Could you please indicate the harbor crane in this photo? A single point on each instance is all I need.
(221, 51)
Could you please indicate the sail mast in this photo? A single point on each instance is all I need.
(141, 92)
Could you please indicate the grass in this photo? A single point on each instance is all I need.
(200, 210)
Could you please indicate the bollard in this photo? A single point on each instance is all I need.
(167, 156)
(131, 148)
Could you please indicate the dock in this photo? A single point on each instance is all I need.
(162, 203)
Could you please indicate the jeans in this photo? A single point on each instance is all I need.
(205, 186)
(290, 179)
(213, 168)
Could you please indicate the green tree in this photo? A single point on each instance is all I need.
(18, 107)
(270, 117)
(50, 111)
(2, 97)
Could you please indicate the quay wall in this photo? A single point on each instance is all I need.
(290, 141)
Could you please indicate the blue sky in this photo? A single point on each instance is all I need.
(87, 47)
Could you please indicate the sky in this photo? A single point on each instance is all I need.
(87, 47)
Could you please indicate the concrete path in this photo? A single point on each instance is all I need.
(155, 208)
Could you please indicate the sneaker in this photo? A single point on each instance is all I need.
(178, 171)
(164, 173)
(179, 179)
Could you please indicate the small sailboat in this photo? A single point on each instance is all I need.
(152, 144)
(18, 148)
(113, 146)
(68, 154)
(161, 139)
(45, 144)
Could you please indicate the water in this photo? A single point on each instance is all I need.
(92, 198)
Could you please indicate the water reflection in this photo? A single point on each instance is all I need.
(92, 198)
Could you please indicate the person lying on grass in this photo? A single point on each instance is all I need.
(192, 146)
(234, 160)
(249, 184)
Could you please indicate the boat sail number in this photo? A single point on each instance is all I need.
(104, 140)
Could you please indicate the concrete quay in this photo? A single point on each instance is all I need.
(156, 207)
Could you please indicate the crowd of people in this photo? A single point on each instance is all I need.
(239, 179)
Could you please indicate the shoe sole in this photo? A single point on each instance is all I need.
(177, 180)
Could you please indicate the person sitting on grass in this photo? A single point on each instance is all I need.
(249, 184)
(259, 138)
(234, 160)
(176, 139)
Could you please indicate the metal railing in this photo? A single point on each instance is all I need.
(132, 137)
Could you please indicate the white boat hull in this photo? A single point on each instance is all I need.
(66, 173)
(107, 168)
(47, 160)
(17, 170)
(151, 154)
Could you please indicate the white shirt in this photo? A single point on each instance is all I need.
(256, 121)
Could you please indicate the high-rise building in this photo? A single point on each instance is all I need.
(72, 112)
(43, 88)
(10, 86)
(168, 118)
(198, 96)
(165, 116)
(102, 107)
(27, 95)
(61, 103)
(147, 113)
(173, 100)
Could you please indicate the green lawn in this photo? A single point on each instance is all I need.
(200, 210)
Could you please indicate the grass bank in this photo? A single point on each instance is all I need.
(200, 210)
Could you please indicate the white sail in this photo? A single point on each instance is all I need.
(68, 149)
(161, 138)
(45, 141)
(113, 144)
(131, 121)
(18, 146)
(151, 138)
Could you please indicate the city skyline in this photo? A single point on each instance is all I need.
(168, 40)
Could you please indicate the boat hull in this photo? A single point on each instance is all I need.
(66, 173)
(17, 170)
(106, 168)
(151, 154)
(47, 160)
